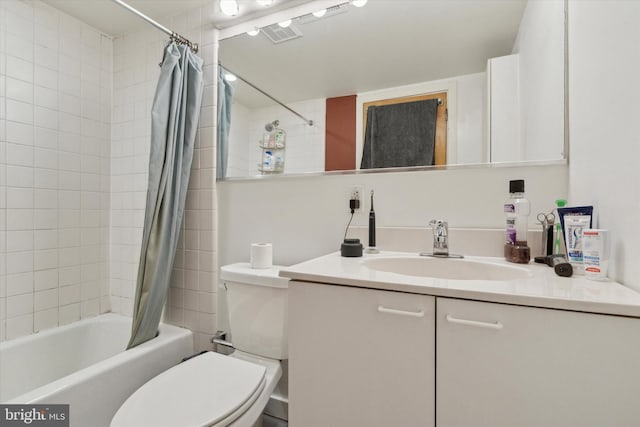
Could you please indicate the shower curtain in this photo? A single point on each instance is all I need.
(174, 123)
(225, 94)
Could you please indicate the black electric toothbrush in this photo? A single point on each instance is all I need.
(372, 229)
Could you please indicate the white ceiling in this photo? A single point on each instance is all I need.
(385, 44)
(114, 20)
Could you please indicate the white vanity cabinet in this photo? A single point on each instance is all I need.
(360, 357)
(505, 365)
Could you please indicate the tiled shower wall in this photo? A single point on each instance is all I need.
(192, 298)
(55, 80)
(74, 145)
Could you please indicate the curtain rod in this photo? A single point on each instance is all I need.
(307, 121)
(173, 35)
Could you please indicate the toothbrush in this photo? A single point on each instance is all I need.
(372, 225)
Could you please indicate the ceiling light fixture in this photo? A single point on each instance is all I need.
(359, 3)
(265, 3)
(229, 7)
(285, 24)
(254, 32)
(320, 13)
(230, 77)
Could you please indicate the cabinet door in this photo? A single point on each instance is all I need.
(502, 365)
(360, 357)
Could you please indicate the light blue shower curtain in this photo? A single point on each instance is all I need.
(225, 95)
(174, 123)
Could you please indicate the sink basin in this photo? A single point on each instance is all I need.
(446, 268)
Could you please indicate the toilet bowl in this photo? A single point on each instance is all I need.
(218, 390)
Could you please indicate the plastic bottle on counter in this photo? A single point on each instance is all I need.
(517, 209)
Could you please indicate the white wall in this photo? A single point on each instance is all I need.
(192, 297)
(55, 79)
(305, 144)
(540, 46)
(470, 115)
(604, 91)
(306, 217)
(241, 147)
(465, 104)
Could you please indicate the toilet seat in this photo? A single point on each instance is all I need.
(207, 390)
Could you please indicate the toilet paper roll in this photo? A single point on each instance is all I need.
(261, 255)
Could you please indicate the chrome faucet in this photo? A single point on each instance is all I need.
(440, 240)
(440, 237)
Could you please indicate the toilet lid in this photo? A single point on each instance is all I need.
(202, 391)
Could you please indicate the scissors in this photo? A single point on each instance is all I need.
(547, 220)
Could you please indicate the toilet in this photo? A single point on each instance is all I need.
(217, 390)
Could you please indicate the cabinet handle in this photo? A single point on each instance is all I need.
(494, 325)
(383, 309)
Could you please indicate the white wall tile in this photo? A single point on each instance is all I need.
(45, 319)
(19, 305)
(19, 23)
(46, 199)
(47, 37)
(46, 138)
(45, 300)
(21, 112)
(19, 283)
(51, 68)
(69, 276)
(19, 198)
(19, 262)
(46, 57)
(19, 90)
(19, 133)
(19, 240)
(46, 77)
(19, 155)
(69, 104)
(46, 178)
(45, 219)
(20, 219)
(69, 294)
(69, 313)
(46, 159)
(46, 118)
(45, 279)
(45, 97)
(69, 218)
(19, 326)
(69, 66)
(46, 239)
(19, 69)
(45, 259)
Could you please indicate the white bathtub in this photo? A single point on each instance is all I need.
(85, 365)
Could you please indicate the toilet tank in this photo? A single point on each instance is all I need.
(257, 301)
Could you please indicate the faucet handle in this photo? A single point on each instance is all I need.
(438, 224)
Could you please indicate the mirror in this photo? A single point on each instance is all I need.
(499, 63)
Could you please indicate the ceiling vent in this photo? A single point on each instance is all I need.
(277, 34)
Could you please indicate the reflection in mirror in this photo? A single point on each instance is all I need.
(499, 64)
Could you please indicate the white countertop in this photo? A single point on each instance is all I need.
(543, 289)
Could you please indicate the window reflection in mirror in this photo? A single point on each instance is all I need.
(500, 63)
